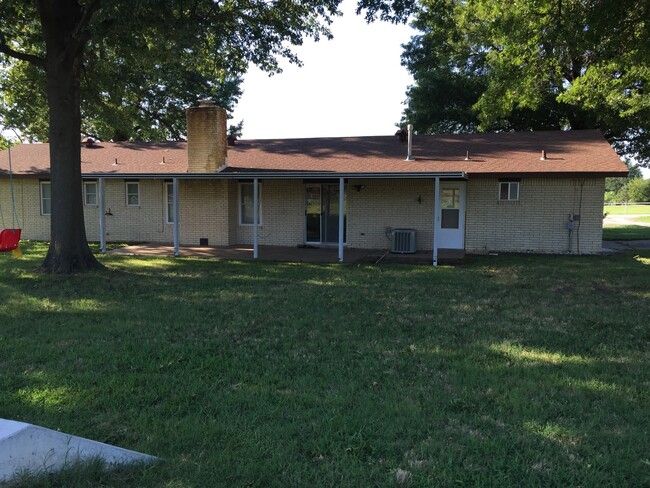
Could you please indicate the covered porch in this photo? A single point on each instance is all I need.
(301, 254)
(440, 219)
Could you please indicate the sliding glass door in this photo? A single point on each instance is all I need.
(322, 214)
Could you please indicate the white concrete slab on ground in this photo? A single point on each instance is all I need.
(27, 447)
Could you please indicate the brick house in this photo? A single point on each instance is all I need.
(536, 192)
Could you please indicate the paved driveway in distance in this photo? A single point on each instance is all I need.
(616, 246)
(617, 220)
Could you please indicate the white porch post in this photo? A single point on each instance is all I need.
(177, 234)
(436, 219)
(256, 218)
(102, 216)
(341, 216)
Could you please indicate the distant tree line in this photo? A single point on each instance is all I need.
(631, 189)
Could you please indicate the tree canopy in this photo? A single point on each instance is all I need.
(538, 64)
(147, 104)
(4, 143)
(144, 62)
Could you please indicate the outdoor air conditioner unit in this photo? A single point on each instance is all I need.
(403, 241)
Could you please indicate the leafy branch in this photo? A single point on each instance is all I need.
(5, 48)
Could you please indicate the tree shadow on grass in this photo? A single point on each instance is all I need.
(517, 370)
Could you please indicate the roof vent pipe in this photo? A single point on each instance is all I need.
(409, 156)
(543, 158)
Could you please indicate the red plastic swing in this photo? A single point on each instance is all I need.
(9, 239)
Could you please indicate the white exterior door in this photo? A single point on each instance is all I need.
(451, 228)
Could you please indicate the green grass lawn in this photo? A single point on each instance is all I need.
(505, 371)
(626, 232)
(631, 209)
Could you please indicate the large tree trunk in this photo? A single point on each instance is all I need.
(69, 251)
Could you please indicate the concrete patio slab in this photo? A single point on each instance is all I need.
(27, 447)
(302, 254)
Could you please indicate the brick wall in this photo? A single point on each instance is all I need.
(204, 212)
(389, 203)
(203, 208)
(142, 223)
(210, 209)
(28, 208)
(380, 204)
(202, 205)
(233, 211)
(282, 214)
(537, 222)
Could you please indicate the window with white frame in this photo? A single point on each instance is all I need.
(508, 190)
(132, 194)
(46, 198)
(246, 204)
(169, 198)
(90, 193)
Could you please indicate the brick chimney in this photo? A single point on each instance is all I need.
(206, 137)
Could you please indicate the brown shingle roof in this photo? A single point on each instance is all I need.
(503, 153)
(132, 158)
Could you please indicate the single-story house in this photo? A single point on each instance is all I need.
(538, 192)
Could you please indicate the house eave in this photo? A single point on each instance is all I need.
(549, 174)
(281, 175)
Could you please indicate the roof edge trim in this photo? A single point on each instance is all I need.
(272, 175)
